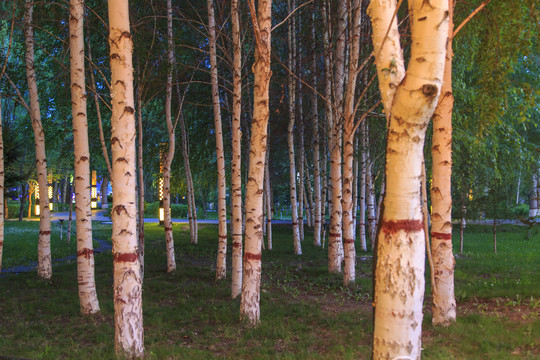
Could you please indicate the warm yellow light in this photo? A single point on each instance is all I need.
(51, 206)
(161, 214)
(94, 192)
(160, 188)
(37, 210)
(37, 191)
(93, 204)
(470, 195)
(50, 192)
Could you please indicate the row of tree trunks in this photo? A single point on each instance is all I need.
(399, 273)
(83, 213)
(221, 269)
(44, 240)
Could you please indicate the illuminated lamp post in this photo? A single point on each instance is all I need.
(50, 192)
(161, 163)
(36, 211)
(93, 195)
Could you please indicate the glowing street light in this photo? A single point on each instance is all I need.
(93, 195)
(36, 211)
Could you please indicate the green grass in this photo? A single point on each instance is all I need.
(306, 313)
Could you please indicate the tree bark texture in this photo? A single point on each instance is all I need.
(140, 179)
(83, 213)
(221, 269)
(262, 21)
(236, 173)
(444, 302)
(127, 284)
(44, 240)
(399, 274)
(290, 138)
(167, 219)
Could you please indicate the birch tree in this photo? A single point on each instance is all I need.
(251, 282)
(167, 220)
(83, 212)
(236, 173)
(444, 302)
(221, 269)
(127, 284)
(44, 240)
(409, 104)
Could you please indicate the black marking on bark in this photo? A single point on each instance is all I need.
(429, 90)
(119, 208)
(422, 18)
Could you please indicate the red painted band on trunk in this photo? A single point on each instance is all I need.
(125, 257)
(251, 256)
(222, 236)
(168, 228)
(44, 233)
(348, 241)
(295, 223)
(85, 252)
(332, 235)
(391, 227)
(1, 242)
(237, 245)
(317, 221)
(441, 236)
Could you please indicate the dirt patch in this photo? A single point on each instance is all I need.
(516, 310)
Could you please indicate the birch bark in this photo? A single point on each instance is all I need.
(399, 283)
(44, 240)
(127, 284)
(262, 22)
(236, 173)
(221, 269)
(83, 213)
(444, 302)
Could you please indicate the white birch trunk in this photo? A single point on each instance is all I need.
(363, 190)
(399, 274)
(140, 180)
(167, 219)
(262, 21)
(221, 269)
(44, 240)
(533, 200)
(236, 173)
(290, 141)
(127, 270)
(370, 195)
(83, 213)
(444, 302)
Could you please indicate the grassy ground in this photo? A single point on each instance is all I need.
(305, 312)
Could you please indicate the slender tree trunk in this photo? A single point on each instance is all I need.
(355, 192)
(83, 212)
(370, 194)
(533, 200)
(98, 112)
(268, 192)
(221, 269)
(316, 150)
(302, 208)
(308, 197)
(70, 218)
(2, 177)
(103, 192)
(262, 22)
(399, 276)
(349, 128)
(290, 138)
(335, 242)
(363, 190)
(127, 284)
(44, 240)
(495, 235)
(236, 172)
(444, 302)
(140, 181)
(169, 240)
(22, 198)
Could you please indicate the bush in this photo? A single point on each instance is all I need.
(177, 210)
(520, 211)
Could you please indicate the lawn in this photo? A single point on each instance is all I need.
(306, 313)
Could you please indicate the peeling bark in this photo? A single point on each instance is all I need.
(127, 284)
(44, 240)
(83, 213)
